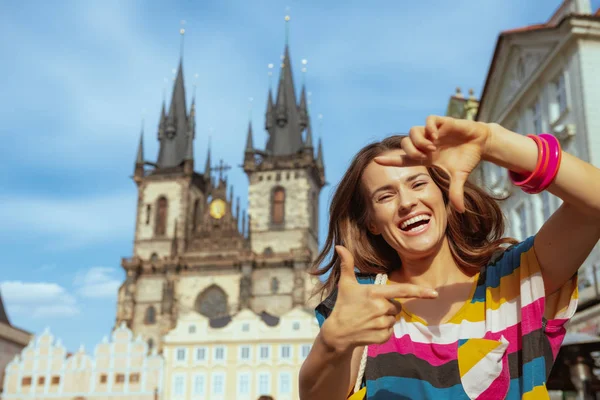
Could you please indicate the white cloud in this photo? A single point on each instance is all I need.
(41, 300)
(71, 222)
(97, 282)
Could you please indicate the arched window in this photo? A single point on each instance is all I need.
(278, 206)
(212, 302)
(150, 344)
(274, 285)
(150, 316)
(160, 227)
(195, 213)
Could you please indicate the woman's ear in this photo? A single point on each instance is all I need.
(373, 229)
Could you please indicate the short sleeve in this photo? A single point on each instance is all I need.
(517, 278)
(324, 309)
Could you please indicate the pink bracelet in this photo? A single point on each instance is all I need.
(536, 180)
(520, 180)
(554, 161)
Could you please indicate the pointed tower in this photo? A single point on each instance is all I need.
(284, 186)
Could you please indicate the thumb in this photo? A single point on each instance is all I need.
(346, 264)
(457, 190)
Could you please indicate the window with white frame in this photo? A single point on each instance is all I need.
(264, 383)
(245, 353)
(285, 352)
(522, 213)
(245, 327)
(546, 205)
(219, 353)
(560, 91)
(536, 117)
(180, 354)
(199, 385)
(296, 326)
(244, 383)
(192, 329)
(178, 385)
(218, 383)
(265, 352)
(285, 383)
(305, 350)
(200, 354)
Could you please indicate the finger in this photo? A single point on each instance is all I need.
(457, 191)
(394, 308)
(404, 290)
(418, 139)
(411, 150)
(346, 265)
(431, 128)
(382, 322)
(398, 161)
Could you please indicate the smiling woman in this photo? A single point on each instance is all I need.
(425, 298)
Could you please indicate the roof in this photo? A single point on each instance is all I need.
(3, 315)
(521, 31)
(269, 319)
(220, 322)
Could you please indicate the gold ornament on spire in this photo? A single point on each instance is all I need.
(287, 18)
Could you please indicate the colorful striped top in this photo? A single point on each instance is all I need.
(501, 344)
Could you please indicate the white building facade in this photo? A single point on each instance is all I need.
(546, 78)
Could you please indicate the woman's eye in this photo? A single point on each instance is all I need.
(384, 197)
(419, 184)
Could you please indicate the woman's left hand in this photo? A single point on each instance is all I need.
(455, 145)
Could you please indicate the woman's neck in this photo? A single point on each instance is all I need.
(434, 271)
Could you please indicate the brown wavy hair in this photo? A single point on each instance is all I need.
(473, 236)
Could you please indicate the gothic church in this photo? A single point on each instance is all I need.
(193, 249)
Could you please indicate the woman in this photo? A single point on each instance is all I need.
(422, 281)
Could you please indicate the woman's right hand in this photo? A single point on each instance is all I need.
(365, 314)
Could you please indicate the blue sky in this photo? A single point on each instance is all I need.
(78, 76)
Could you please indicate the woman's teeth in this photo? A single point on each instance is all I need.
(415, 222)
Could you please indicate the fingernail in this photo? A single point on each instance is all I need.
(433, 292)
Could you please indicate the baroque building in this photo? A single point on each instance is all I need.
(543, 78)
(194, 251)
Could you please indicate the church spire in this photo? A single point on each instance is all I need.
(303, 109)
(3, 316)
(320, 162)
(249, 141)
(175, 126)
(207, 166)
(140, 152)
(283, 117)
(308, 143)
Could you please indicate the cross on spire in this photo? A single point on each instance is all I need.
(222, 167)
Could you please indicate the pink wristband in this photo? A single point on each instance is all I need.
(520, 180)
(554, 161)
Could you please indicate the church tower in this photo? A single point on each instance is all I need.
(194, 251)
(285, 181)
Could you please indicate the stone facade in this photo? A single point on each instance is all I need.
(120, 369)
(237, 358)
(195, 251)
(541, 81)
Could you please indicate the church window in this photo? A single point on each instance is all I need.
(150, 316)
(268, 251)
(195, 214)
(160, 228)
(150, 344)
(297, 175)
(212, 302)
(260, 178)
(278, 206)
(154, 257)
(274, 285)
(278, 176)
(269, 177)
(287, 176)
(148, 211)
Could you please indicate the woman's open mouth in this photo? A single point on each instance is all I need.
(415, 225)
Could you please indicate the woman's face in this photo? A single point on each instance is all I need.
(406, 207)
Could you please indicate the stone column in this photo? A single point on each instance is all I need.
(299, 277)
(245, 286)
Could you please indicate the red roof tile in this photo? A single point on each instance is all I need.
(525, 28)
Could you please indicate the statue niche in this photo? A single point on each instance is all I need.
(212, 302)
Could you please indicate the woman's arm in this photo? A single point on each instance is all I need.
(327, 373)
(567, 238)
